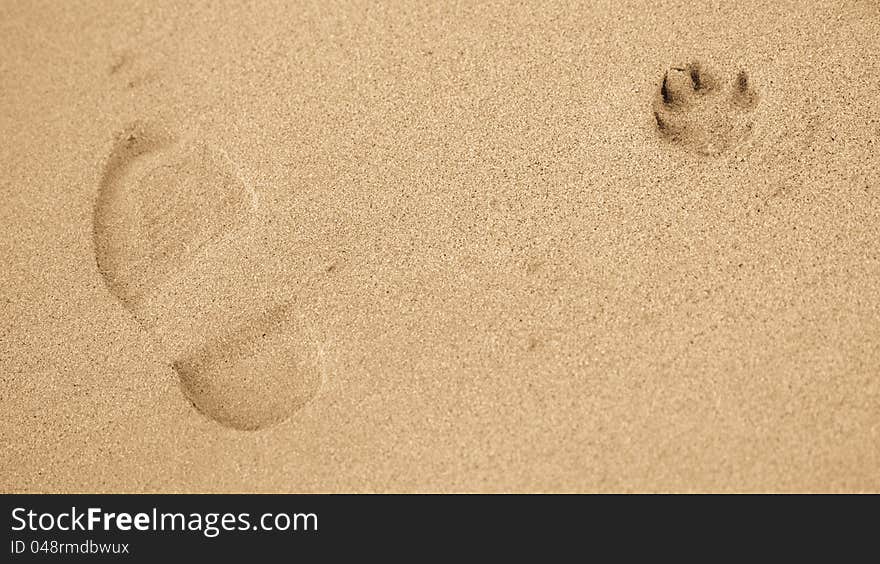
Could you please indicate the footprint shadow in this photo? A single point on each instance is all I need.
(161, 203)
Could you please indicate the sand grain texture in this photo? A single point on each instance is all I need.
(615, 246)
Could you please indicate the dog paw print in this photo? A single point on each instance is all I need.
(702, 113)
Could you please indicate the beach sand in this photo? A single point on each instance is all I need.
(347, 247)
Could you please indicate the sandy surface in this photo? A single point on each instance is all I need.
(546, 247)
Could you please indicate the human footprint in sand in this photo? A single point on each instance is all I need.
(164, 205)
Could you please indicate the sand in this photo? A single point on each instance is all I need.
(348, 247)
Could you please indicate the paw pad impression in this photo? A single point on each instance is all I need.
(702, 113)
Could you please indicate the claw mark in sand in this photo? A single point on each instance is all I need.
(695, 110)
